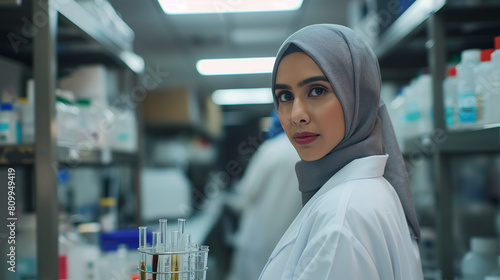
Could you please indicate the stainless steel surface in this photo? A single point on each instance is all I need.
(120, 49)
(437, 63)
(45, 73)
(10, 2)
(406, 25)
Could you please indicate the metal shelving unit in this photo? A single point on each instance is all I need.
(24, 154)
(46, 35)
(424, 36)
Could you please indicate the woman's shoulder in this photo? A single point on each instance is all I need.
(353, 200)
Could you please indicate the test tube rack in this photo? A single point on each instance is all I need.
(194, 269)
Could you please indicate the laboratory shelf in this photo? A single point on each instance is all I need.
(81, 37)
(480, 140)
(420, 146)
(16, 154)
(51, 37)
(10, 2)
(403, 48)
(169, 129)
(407, 25)
(425, 38)
(24, 154)
(73, 156)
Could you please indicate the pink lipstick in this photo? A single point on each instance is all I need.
(305, 138)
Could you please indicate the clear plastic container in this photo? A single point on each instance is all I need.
(467, 102)
(481, 260)
(450, 97)
(484, 88)
(67, 120)
(124, 136)
(89, 119)
(108, 214)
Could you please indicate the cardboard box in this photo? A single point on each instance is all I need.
(171, 107)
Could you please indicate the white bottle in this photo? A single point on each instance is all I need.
(450, 97)
(412, 111)
(495, 97)
(481, 260)
(8, 124)
(424, 90)
(125, 133)
(467, 105)
(484, 88)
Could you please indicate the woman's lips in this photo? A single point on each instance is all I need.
(305, 138)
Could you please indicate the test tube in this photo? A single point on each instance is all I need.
(142, 256)
(204, 254)
(164, 260)
(155, 250)
(182, 224)
(163, 230)
(185, 260)
(194, 248)
(174, 245)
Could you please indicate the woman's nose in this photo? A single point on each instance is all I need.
(300, 113)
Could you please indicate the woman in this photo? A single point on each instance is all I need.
(358, 219)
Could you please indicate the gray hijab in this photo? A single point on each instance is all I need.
(353, 71)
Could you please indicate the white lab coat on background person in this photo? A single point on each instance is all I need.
(353, 228)
(269, 200)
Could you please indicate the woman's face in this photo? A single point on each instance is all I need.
(309, 110)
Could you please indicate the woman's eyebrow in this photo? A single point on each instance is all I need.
(312, 79)
(280, 86)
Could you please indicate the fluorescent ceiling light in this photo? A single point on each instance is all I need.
(242, 96)
(235, 66)
(177, 7)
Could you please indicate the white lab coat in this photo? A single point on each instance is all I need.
(354, 227)
(269, 199)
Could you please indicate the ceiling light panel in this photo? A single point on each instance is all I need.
(242, 96)
(176, 7)
(235, 66)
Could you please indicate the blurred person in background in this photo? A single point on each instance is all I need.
(358, 219)
(268, 199)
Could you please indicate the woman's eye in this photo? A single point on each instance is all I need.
(285, 96)
(317, 91)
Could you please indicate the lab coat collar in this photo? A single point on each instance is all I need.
(361, 168)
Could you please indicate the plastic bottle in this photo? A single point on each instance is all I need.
(495, 98)
(124, 137)
(412, 109)
(89, 131)
(424, 91)
(481, 260)
(8, 124)
(67, 119)
(450, 97)
(467, 103)
(484, 87)
(28, 114)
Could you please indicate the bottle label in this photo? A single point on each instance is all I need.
(448, 111)
(412, 109)
(467, 104)
(4, 126)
